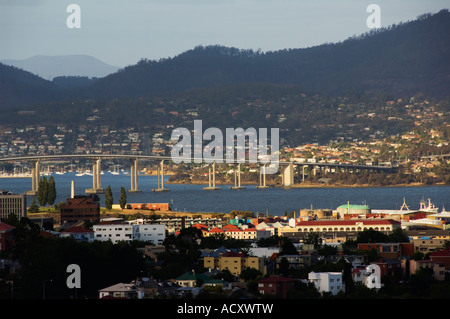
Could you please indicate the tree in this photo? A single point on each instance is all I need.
(51, 191)
(34, 208)
(123, 198)
(42, 191)
(109, 198)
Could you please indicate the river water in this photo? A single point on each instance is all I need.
(274, 201)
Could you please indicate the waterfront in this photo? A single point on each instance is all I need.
(274, 201)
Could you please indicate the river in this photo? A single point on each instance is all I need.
(274, 201)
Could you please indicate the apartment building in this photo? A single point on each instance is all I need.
(151, 233)
(12, 204)
(234, 262)
(81, 208)
(327, 281)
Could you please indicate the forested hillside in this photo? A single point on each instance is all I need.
(409, 58)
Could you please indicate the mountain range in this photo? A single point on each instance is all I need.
(404, 60)
(49, 67)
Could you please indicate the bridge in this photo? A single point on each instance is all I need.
(286, 169)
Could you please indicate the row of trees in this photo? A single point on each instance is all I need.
(46, 194)
(109, 198)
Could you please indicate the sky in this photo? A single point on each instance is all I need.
(121, 32)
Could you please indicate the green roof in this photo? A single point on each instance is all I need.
(354, 206)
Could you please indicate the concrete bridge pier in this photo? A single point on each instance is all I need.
(262, 177)
(287, 175)
(34, 179)
(160, 175)
(134, 177)
(96, 178)
(212, 178)
(237, 178)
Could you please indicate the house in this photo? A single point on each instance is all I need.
(442, 257)
(367, 275)
(192, 279)
(149, 286)
(389, 250)
(6, 236)
(79, 233)
(295, 261)
(235, 262)
(438, 269)
(327, 281)
(276, 286)
(121, 291)
(389, 268)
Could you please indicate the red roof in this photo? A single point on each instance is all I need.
(230, 227)
(200, 226)
(216, 230)
(274, 279)
(441, 253)
(76, 229)
(5, 226)
(348, 222)
(232, 254)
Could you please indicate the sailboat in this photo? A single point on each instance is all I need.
(115, 172)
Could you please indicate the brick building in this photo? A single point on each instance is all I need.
(81, 208)
(276, 286)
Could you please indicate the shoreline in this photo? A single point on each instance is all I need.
(313, 185)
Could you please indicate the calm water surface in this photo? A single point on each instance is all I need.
(275, 201)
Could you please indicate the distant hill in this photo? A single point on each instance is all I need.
(411, 58)
(18, 87)
(408, 58)
(49, 67)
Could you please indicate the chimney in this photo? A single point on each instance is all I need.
(72, 191)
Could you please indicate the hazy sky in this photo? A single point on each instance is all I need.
(121, 32)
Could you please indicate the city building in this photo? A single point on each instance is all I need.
(349, 209)
(442, 257)
(437, 269)
(390, 268)
(428, 240)
(295, 261)
(275, 286)
(151, 233)
(327, 281)
(234, 262)
(389, 250)
(12, 205)
(81, 208)
(333, 226)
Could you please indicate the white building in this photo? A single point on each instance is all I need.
(369, 276)
(327, 281)
(153, 233)
(124, 232)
